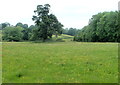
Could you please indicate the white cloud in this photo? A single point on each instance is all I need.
(71, 13)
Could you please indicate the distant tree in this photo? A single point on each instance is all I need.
(25, 30)
(32, 33)
(70, 31)
(6, 24)
(22, 25)
(25, 26)
(19, 24)
(65, 31)
(32, 27)
(12, 33)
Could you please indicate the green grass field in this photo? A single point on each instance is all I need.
(60, 62)
(0, 62)
(0, 57)
(0, 35)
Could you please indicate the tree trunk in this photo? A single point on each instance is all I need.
(43, 40)
(56, 35)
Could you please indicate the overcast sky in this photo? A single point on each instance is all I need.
(71, 13)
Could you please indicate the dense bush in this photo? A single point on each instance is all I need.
(12, 33)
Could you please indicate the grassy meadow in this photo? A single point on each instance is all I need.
(59, 62)
(0, 57)
(0, 62)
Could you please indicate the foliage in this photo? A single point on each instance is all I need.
(12, 33)
(19, 24)
(47, 24)
(26, 31)
(70, 31)
(3, 25)
(103, 27)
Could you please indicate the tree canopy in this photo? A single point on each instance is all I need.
(47, 24)
(102, 27)
(12, 34)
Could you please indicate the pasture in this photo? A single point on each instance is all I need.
(59, 62)
(0, 57)
(0, 62)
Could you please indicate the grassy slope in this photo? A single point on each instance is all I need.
(64, 37)
(60, 62)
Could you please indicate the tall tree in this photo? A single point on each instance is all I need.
(46, 23)
(41, 20)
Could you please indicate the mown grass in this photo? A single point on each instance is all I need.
(60, 62)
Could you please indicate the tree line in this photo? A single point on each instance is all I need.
(46, 25)
(70, 31)
(102, 27)
(23, 32)
(19, 32)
